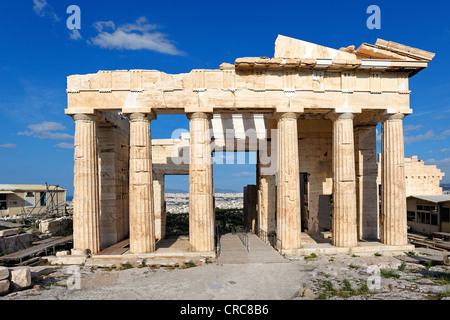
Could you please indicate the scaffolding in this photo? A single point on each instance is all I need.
(52, 207)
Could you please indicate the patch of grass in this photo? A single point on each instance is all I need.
(411, 253)
(389, 274)
(354, 256)
(427, 265)
(126, 266)
(377, 254)
(311, 256)
(47, 284)
(402, 267)
(328, 290)
(5, 252)
(188, 265)
(352, 266)
(364, 290)
(347, 290)
(444, 294)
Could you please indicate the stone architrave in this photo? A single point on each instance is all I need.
(86, 188)
(201, 207)
(288, 194)
(142, 225)
(394, 222)
(344, 228)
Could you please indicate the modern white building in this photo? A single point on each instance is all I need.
(17, 199)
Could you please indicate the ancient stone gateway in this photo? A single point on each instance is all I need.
(319, 108)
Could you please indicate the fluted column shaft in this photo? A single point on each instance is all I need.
(267, 202)
(288, 179)
(394, 224)
(201, 207)
(142, 220)
(86, 228)
(344, 228)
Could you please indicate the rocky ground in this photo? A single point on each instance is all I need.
(338, 277)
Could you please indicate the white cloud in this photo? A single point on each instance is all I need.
(64, 145)
(75, 35)
(430, 135)
(8, 146)
(44, 10)
(420, 137)
(101, 25)
(45, 130)
(411, 127)
(136, 36)
(243, 174)
(378, 136)
(445, 150)
(46, 126)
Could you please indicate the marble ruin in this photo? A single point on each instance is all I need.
(313, 113)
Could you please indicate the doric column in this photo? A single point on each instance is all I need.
(288, 178)
(142, 220)
(394, 225)
(344, 228)
(159, 206)
(201, 207)
(86, 227)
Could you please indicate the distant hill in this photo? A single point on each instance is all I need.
(170, 190)
(219, 190)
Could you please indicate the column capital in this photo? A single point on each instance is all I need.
(199, 115)
(142, 116)
(392, 116)
(335, 115)
(84, 117)
(286, 115)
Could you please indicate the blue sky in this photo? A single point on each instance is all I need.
(38, 52)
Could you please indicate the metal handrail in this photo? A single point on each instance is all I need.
(263, 235)
(271, 239)
(244, 239)
(243, 236)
